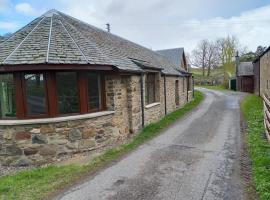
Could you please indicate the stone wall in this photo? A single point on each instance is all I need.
(41, 143)
(23, 145)
(265, 74)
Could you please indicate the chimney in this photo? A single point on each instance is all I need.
(236, 70)
(236, 63)
(108, 27)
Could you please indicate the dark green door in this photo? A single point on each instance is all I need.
(233, 84)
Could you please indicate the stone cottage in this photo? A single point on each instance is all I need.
(262, 73)
(245, 77)
(68, 87)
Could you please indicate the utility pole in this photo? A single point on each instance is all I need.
(108, 27)
(236, 69)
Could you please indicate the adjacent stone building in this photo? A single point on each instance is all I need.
(68, 87)
(262, 73)
(245, 77)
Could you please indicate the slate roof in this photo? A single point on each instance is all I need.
(174, 55)
(2, 39)
(56, 38)
(245, 69)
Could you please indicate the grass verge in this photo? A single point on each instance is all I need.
(259, 148)
(214, 87)
(40, 183)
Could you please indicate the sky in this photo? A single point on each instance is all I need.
(155, 24)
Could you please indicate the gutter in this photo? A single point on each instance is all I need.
(142, 98)
(187, 86)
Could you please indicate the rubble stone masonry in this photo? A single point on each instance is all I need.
(40, 143)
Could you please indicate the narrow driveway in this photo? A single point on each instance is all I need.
(196, 158)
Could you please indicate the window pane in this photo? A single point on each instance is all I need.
(7, 96)
(150, 88)
(67, 92)
(94, 99)
(35, 94)
(176, 92)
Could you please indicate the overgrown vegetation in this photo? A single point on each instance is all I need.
(39, 183)
(259, 148)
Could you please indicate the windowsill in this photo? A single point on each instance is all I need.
(152, 105)
(54, 120)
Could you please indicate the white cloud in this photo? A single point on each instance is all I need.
(4, 4)
(26, 9)
(8, 26)
(159, 24)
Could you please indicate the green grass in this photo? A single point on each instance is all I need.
(259, 148)
(214, 87)
(40, 183)
(197, 72)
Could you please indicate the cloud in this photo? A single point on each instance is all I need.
(4, 4)
(159, 24)
(8, 25)
(26, 9)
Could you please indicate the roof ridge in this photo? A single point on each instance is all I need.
(176, 48)
(22, 41)
(49, 41)
(75, 42)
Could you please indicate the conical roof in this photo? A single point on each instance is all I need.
(56, 38)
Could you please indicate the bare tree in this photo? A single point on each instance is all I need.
(212, 57)
(199, 55)
(205, 56)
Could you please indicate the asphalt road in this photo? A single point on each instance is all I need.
(196, 158)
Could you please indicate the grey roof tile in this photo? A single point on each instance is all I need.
(174, 55)
(75, 42)
(245, 69)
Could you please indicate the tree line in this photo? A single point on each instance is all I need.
(211, 54)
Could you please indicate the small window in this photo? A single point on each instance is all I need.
(35, 94)
(183, 89)
(67, 92)
(94, 91)
(7, 96)
(150, 87)
(177, 93)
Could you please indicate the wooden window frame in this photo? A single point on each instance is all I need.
(147, 87)
(51, 94)
(177, 95)
(27, 116)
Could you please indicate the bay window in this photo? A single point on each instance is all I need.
(50, 94)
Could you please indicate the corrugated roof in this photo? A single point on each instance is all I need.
(245, 69)
(56, 38)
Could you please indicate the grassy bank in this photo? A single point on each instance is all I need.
(214, 87)
(259, 148)
(39, 183)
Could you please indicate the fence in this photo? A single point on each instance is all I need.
(266, 111)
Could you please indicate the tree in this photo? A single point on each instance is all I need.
(212, 57)
(205, 56)
(260, 50)
(227, 48)
(199, 55)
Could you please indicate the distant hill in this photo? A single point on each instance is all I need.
(216, 76)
